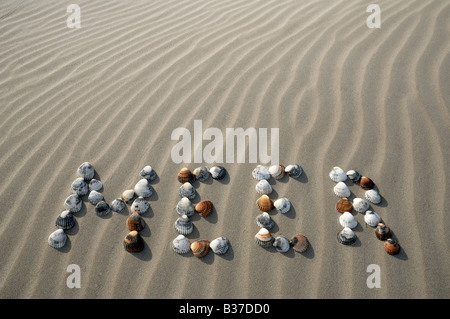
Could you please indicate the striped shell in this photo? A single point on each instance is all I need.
(360, 205)
(382, 232)
(148, 173)
(294, 170)
(260, 173)
(371, 218)
(281, 244)
(73, 203)
(201, 173)
(264, 203)
(299, 243)
(218, 172)
(187, 190)
(102, 209)
(346, 236)
(140, 206)
(348, 220)
(354, 176)
(95, 197)
(391, 246)
(181, 245)
(263, 187)
(133, 242)
(57, 239)
(184, 225)
(219, 245)
(344, 205)
(264, 220)
(185, 175)
(118, 205)
(277, 171)
(79, 187)
(264, 238)
(185, 207)
(95, 185)
(373, 196)
(341, 190)
(86, 171)
(282, 205)
(204, 208)
(366, 183)
(200, 248)
(337, 175)
(128, 195)
(65, 220)
(135, 222)
(143, 188)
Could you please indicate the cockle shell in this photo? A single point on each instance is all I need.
(185, 207)
(260, 173)
(391, 246)
(265, 221)
(95, 185)
(128, 195)
(86, 171)
(200, 248)
(133, 242)
(185, 175)
(143, 188)
(135, 222)
(264, 238)
(373, 196)
(277, 171)
(95, 197)
(366, 183)
(79, 187)
(219, 245)
(181, 245)
(341, 190)
(264, 203)
(344, 205)
(360, 205)
(57, 239)
(73, 203)
(348, 220)
(102, 209)
(187, 190)
(140, 206)
(118, 205)
(282, 205)
(337, 174)
(354, 176)
(371, 218)
(346, 236)
(281, 244)
(184, 225)
(201, 173)
(299, 243)
(65, 220)
(382, 232)
(218, 172)
(263, 187)
(148, 173)
(204, 208)
(294, 170)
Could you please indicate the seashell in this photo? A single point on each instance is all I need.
(118, 205)
(281, 244)
(185, 175)
(366, 183)
(218, 172)
(294, 170)
(181, 245)
(348, 220)
(95, 185)
(102, 209)
(73, 203)
(148, 173)
(57, 239)
(382, 232)
(260, 173)
(200, 248)
(373, 196)
(95, 197)
(143, 188)
(344, 205)
(201, 173)
(277, 171)
(264, 203)
(128, 195)
(204, 208)
(135, 222)
(337, 175)
(263, 187)
(341, 190)
(187, 190)
(391, 246)
(265, 221)
(140, 206)
(346, 236)
(86, 171)
(360, 205)
(371, 218)
(65, 220)
(264, 238)
(133, 242)
(282, 205)
(219, 245)
(299, 243)
(79, 187)
(184, 225)
(185, 207)
(354, 176)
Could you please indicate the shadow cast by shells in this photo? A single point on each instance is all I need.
(66, 248)
(225, 180)
(144, 255)
(291, 214)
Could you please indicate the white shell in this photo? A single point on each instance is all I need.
(181, 245)
(201, 173)
(218, 172)
(184, 225)
(86, 171)
(128, 195)
(264, 238)
(185, 207)
(282, 205)
(260, 172)
(263, 187)
(373, 196)
(341, 190)
(148, 173)
(371, 218)
(95, 185)
(95, 197)
(353, 175)
(118, 205)
(337, 174)
(187, 190)
(348, 220)
(79, 187)
(143, 188)
(140, 206)
(219, 245)
(281, 244)
(294, 170)
(57, 239)
(360, 205)
(73, 203)
(264, 221)
(277, 171)
(346, 236)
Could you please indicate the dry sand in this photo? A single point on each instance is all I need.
(112, 92)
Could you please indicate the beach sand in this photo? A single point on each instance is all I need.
(112, 92)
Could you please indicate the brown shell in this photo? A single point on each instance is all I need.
(382, 231)
(200, 248)
(391, 246)
(135, 222)
(366, 183)
(204, 208)
(185, 175)
(264, 203)
(344, 205)
(299, 243)
(133, 242)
